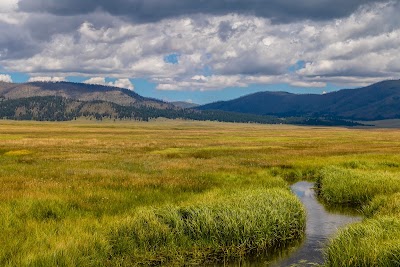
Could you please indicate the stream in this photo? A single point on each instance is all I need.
(321, 225)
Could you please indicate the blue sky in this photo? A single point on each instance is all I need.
(202, 51)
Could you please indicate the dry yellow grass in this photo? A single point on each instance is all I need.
(64, 186)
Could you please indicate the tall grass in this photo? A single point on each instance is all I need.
(355, 187)
(229, 228)
(375, 241)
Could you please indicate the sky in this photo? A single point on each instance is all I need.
(202, 50)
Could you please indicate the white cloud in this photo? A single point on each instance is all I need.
(5, 78)
(308, 84)
(9, 14)
(8, 6)
(121, 83)
(202, 83)
(96, 80)
(221, 51)
(124, 83)
(46, 79)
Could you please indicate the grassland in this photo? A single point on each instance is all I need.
(120, 194)
(376, 240)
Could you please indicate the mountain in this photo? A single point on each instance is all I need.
(63, 101)
(375, 102)
(183, 104)
(79, 91)
(55, 108)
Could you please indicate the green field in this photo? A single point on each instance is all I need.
(174, 192)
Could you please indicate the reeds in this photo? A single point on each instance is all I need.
(358, 187)
(376, 240)
(373, 242)
(228, 228)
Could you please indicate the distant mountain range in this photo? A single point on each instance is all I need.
(67, 101)
(375, 102)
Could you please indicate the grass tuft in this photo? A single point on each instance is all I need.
(374, 242)
(224, 229)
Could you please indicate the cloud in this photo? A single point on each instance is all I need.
(156, 10)
(233, 45)
(8, 6)
(121, 83)
(46, 79)
(5, 78)
(361, 47)
(202, 83)
(308, 84)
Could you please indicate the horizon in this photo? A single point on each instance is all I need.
(189, 102)
(202, 53)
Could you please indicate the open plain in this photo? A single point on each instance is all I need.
(88, 193)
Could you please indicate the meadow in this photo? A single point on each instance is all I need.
(88, 193)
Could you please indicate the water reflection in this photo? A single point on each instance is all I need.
(321, 224)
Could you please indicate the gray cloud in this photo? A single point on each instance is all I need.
(16, 42)
(216, 50)
(155, 10)
(225, 31)
(43, 26)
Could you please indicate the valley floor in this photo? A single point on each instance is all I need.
(188, 193)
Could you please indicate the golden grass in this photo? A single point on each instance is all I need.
(60, 202)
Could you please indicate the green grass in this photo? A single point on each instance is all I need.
(355, 187)
(376, 240)
(176, 193)
(214, 230)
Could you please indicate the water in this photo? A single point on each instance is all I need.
(321, 225)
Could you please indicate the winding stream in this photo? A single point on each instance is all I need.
(321, 224)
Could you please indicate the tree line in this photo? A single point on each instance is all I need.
(54, 108)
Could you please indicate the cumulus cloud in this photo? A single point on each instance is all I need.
(202, 83)
(121, 83)
(348, 42)
(5, 78)
(46, 79)
(8, 6)
(308, 84)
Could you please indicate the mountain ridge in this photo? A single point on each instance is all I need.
(377, 101)
(79, 91)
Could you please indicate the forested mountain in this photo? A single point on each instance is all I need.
(55, 108)
(79, 91)
(374, 102)
(183, 104)
(62, 101)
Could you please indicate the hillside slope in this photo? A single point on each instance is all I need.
(79, 91)
(374, 102)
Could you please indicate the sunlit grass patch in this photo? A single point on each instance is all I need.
(383, 205)
(22, 152)
(355, 187)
